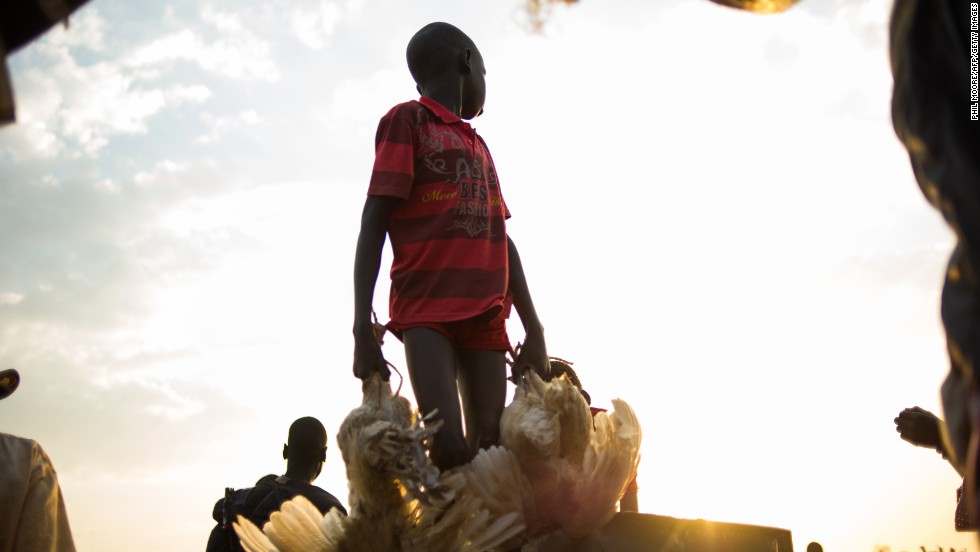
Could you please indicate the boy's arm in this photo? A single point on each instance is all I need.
(367, 263)
(534, 352)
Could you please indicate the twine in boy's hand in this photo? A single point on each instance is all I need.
(513, 352)
(522, 360)
(401, 378)
(368, 358)
(379, 329)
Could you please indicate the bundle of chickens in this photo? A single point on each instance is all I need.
(557, 468)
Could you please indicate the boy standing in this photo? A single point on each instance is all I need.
(455, 272)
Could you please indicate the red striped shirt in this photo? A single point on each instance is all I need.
(449, 236)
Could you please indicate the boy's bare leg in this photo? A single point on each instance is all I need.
(483, 386)
(432, 365)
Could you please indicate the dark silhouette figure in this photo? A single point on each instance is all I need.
(32, 510)
(924, 429)
(455, 271)
(305, 452)
(814, 547)
(933, 114)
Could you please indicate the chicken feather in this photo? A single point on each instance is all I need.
(577, 468)
(251, 537)
(399, 500)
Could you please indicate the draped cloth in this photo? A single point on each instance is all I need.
(32, 510)
(930, 58)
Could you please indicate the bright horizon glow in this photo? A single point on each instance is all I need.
(717, 223)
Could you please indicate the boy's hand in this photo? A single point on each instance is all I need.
(533, 355)
(368, 358)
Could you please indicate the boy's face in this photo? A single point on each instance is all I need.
(474, 87)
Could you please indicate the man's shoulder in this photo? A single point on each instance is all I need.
(12, 446)
(320, 498)
(266, 480)
(25, 455)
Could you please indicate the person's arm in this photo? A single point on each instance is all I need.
(534, 352)
(924, 429)
(43, 523)
(367, 263)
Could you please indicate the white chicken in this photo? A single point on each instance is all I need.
(557, 468)
(399, 501)
(577, 472)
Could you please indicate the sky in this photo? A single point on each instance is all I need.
(716, 220)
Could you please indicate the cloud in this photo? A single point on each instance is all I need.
(220, 126)
(65, 104)
(362, 101)
(85, 29)
(237, 53)
(314, 26)
(161, 172)
(11, 298)
(74, 94)
(171, 405)
(86, 250)
(174, 312)
(116, 106)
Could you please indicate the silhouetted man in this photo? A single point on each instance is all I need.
(32, 509)
(305, 452)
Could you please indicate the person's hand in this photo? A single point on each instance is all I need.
(532, 355)
(920, 427)
(368, 359)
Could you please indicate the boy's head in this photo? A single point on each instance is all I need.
(440, 56)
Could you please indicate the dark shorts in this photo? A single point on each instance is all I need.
(484, 332)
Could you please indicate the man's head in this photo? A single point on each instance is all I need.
(440, 55)
(9, 379)
(306, 450)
